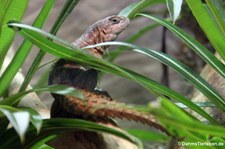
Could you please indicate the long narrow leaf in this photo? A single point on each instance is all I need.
(10, 10)
(19, 119)
(196, 127)
(136, 7)
(35, 118)
(77, 55)
(66, 10)
(208, 25)
(217, 9)
(23, 50)
(4, 5)
(41, 143)
(184, 70)
(58, 89)
(113, 54)
(149, 136)
(182, 125)
(204, 53)
(174, 7)
(64, 13)
(54, 126)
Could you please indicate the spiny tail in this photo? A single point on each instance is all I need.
(100, 105)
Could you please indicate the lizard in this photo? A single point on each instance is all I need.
(99, 106)
(70, 73)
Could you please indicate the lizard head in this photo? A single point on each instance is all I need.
(104, 30)
(112, 26)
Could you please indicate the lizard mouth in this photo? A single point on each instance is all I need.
(123, 23)
(117, 24)
(125, 20)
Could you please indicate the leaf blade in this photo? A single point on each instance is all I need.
(206, 22)
(135, 7)
(15, 116)
(23, 50)
(15, 11)
(77, 55)
(204, 53)
(174, 7)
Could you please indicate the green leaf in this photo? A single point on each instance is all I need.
(218, 140)
(9, 10)
(136, 7)
(58, 89)
(23, 50)
(113, 54)
(194, 126)
(167, 105)
(60, 125)
(35, 118)
(204, 53)
(179, 67)
(64, 13)
(19, 120)
(45, 146)
(217, 10)
(41, 143)
(21, 123)
(208, 25)
(174, 7)
(4, 5)
(75, 54)
(179, 123)
(4, 124)
(200, 104)
(149, 136)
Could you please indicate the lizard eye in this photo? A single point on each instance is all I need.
(115, 20)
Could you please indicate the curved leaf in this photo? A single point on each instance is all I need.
(64, 13)
(149, 136)
(19, 119)
(66, 52)
(180, 124)
(179, 67)
(136, 7)
(217, 9)
(35, 118)
(58, 89)
(60, 125)
(9, 10)
(4, 124)
(23, 50)
(113, 54)
(41, 143)
(174, 7)
(208, 25)
(204, 53)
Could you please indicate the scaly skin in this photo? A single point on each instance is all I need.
(70, 73)
(103, 30)
(98, 105)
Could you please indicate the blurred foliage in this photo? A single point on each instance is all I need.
(181, 125)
